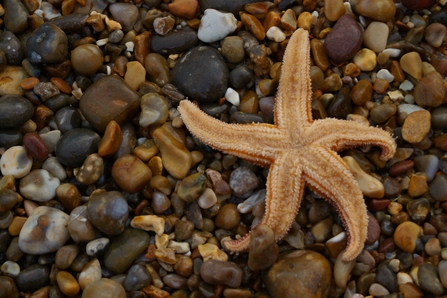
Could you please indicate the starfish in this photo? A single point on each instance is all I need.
(300, 151)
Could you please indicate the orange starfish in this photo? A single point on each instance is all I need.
(299, 150)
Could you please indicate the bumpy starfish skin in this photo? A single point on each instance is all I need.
(301, 152)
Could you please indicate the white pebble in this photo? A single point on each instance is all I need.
(392, 52)
(403, 278)
(378, 290)
(207, 199)
(406, 85)
(39, 185)
(216, 25)
(102, 42)
(274, 33)
(179, 247)
(55, 168)
(10, 268)
(50, 139)
(232, 97)
(395, 95)
(129, 46)
(16, 162)
(96, 246)
(384, 74)
(247, 205)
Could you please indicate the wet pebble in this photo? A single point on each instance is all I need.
(12, 48)
(201, 74)
(16, 162)
(39, 185)
(104, 288)
(75, 145)
(434, 34)
(97, 247)
(124, 13)
(16, 16)
(16, 110)
(299, 273)
(137, 278)
(215, 25)
(174, 42)
(437, 188)
(221, 273)
(406, 235)
(33, 278)
(154, 109)
(108, 212)
(429, 91)
(263, 250)
(243, 180)
(379, 10)
(428, 279)
(44, 231)
(90, 273)
(67, 283)
(375, 36)
(86, 59)
(428, 164)
(47, 44)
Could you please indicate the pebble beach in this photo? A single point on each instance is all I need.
(105, 193)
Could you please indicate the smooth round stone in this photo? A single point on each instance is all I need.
(344, 40)
(233, 49)
(130, 173)
(67, 283)
(108, 212)
(149, 223)
(33, 278)
(333, 10)
(8, 198)
(263, 250)
(124, 13)
(44, 231)
(378, 290)
(104, 288)
(406, 235)
(365, 59)
(183, 230)
(137, 278)
(111, 139)
(91, 170)
(437, 189)
(10, 269)
(12, 47)
(15, 111)
(154, 109)
(75, 145)
(299, 274)
(416, 126)
(361, 92)
(10, 137)
(370, 186)
(109, 98)
(54, 167)
(47, 44)
(135, 74)
(375, 36)
(192, 187)
(16, 162)
(174, 42)
(428, 279)
(428, 164)
(207, 199)
(201, 74)
(442, 270)
(175, 156)
(87, 59)
(221, 273)
(241, 77)
(215, 25)
(39, 185)
(228, 217)
(157, 69)
(9, 288)
(383, 112)
(429, 91)
(379, 10)
(124, 249)
(96, 247)
(16, 16)
(439, 118)
(434, 34)
(50, 139)
(90, 273)
(66, 255)
(160, 202)
(35, 146)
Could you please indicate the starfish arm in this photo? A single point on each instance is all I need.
(252, 142)
(292, 107)
(341, 134)
(337, 185)
(285, 187)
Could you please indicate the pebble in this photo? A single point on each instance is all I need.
(411, 63)
(175, 156)
(39, 185)
(216, 25)
(207, 199)
(299, 274)
(12, 48)
(47, 44)
(416, 126)
(103, 288)
(378, 290)
(16, 110)
(79, 226)
(383, 112)
(44, 231)
(154, 109)
(365, 59)
(109, 98)
(86, 59)
(439, 118)
(149, 223)
(108, 212)
(344, 40)
(11, 76)
(429, 91)
(54, 167)
(16, 162)
(434, 34)
(228, 217)
(96, 247)
(75, 145)
(66, 255)
(379, 10)
(370, 186)
(90, 273)
(16, 16)
(437, 188)
(124, 13)
(384, 74)
(243, 181)
(333, 10)
(67, 283)
(174, 42)
(33, 278)
(375, 36)
(428, 164)
(35, 146)
(124, 249)
(10, 269)
(184, 8)
(263, 250)
(428, 279)
(362, 92)
(221, 273)
(198, 70)
(135, 74)
(137, 278)
(406, 235)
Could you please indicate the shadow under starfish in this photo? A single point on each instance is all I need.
(300, 151)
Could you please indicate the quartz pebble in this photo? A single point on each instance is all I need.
(16, 162)
(44, 231)
(215, 25)
(39, 185)
(375, 36)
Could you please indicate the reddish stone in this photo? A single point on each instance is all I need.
(35, 146)
(377, 204)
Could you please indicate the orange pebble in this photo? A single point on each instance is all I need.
(29, 83)
(62, 85)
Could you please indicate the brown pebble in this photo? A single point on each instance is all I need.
(67, 283)
(401, 167)
(131, 173)
(228, 217)
(16, 225)
(429, 92)
(42, 116)
(183, 8)
(440, 142)
(29, 83)
(62, 85)
(418, 185)
(319, 54)
(253, 25)
(416, 126)
(35, 146)
(111, 139)
(381, 86)
(271, 19)
(362, 92)
(142, 42)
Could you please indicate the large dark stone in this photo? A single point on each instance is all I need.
(12, 47)
(201, 74)
(174, 42)
(15, 110)
(75, 145)
(47, 44)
